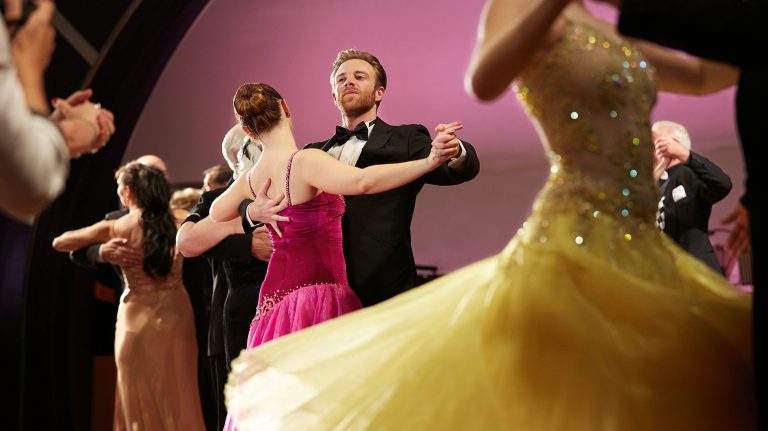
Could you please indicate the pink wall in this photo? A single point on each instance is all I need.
(425, 47)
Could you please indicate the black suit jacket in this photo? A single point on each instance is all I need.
(377, 228)
(686, 220)
(237, 278)
(88, 257)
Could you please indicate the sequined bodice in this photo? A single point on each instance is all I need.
(591, 98)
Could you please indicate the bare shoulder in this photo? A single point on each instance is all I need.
(309, 156)
(125, 225)
(310, 153)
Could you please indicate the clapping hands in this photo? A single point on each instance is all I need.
(92, 125)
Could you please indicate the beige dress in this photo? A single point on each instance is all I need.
(155, 348)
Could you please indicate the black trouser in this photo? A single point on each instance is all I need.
(217, 368)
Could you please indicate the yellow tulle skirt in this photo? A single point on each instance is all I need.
(609, 331)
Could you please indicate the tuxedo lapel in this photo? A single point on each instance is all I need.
(379, 137)
(328, 144)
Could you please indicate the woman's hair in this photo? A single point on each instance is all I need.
(187, 198)
(152, 194)
(257, 107)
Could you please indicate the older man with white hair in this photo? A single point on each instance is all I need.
(689, 185)
(238, 265)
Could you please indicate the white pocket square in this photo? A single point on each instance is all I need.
(678, 193)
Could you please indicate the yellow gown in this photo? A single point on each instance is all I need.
(590, 319)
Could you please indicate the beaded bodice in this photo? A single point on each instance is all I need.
(590, 98)
(309, 252)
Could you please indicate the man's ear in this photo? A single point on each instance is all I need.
(379, 94)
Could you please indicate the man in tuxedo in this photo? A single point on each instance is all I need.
(689, 185)
(731, 31)
(376, 228)
(238, 264)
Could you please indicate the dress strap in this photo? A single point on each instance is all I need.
(250, 186)
(288, 177)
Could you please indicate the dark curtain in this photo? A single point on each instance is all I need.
(48, 307)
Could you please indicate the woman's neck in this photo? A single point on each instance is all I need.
(279, 139)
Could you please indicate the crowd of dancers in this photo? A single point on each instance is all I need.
(314, 321)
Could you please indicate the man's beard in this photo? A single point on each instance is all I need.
(359, 105)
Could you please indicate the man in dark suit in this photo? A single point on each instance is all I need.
(732, 31)
(238, 266)
(689, 186)
(376, 228)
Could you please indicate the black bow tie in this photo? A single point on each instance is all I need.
(343, 135)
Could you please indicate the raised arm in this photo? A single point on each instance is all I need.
(194, 239)
(716, 184)
(224, 208)
(678, 73)
(320, 170)
(77, 239)
(510, 35)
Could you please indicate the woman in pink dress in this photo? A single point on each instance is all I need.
(306, 281)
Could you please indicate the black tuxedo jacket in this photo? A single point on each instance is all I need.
(377, 228)
(88, 257)
(697, 185)
(237, 277)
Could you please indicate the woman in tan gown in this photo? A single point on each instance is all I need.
(155, 347)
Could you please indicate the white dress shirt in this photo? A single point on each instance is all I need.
(349, 153)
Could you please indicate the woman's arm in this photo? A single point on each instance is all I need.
(320, 170)
(679, 73)
(510, 35)
(194, 239)
(224, 208)
(77, 239)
